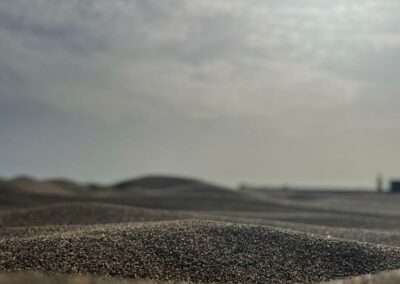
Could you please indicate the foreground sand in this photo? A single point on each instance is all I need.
(227, 236)
(192, 250)
(390, 277)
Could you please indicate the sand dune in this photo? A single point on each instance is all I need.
(354, 202)
(390, 237)
(156, 182)
(25, 222)
(197, 251)
(154, 192)
(322, 218)
(34, 186)
(79, 213)
(26, 191)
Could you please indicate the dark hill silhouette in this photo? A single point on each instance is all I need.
(29, 191)
(158, 182)
(29, 185)
(68, 184)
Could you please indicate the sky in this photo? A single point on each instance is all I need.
(302, 92)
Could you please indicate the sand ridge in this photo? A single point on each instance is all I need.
(84, 213)
(192, 250)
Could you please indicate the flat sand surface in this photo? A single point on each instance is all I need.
(182, 230)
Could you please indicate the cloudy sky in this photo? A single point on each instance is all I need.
(263, 91)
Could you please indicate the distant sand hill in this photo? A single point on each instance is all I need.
(157, 182)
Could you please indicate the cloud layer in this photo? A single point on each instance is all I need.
(264, 91)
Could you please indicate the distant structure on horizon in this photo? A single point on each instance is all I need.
(395, 186)
(379, 183)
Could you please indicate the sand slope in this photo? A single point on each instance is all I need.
(197, 251)
(156, 182)
(80, 213)
(56, 187)
(389, 237)
(36, 220)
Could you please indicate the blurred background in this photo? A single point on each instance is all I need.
(261, 92)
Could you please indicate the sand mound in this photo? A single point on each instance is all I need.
(84, 213)
(69, 185)
(28, 185)
(383, 237)
(202, 251)
(159, 182)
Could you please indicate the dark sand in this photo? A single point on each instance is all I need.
(191, 250)
(84, 214)
(185, 230)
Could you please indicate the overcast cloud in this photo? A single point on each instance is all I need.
(298, 92)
